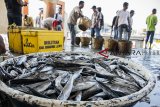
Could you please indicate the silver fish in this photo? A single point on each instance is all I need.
(123, 75)
(65, 79)
(125, 83)
(13, 73)
(79, 96)
(26, 65)
(94, 98)
(58, 81)
(107, 90)
(33, 62)
(120, 88)
(83, 86)
(34, 92)
(139, 80)
(32, 72)
(21, 60)
(46, 68)
(98, 74)
(102, 64)
(130, 71)
(114, 62)
(49, 92)
(113, 67)
(65, 93)
(101, 70)
(91, 92)
(39, 87)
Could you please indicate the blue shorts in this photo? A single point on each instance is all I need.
(150, 34)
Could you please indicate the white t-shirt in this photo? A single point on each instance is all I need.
(59, 17)
(123, 17)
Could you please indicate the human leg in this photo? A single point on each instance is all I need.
(147, 38)
(10, 19)
(18, 20)
(73, 33)
(129, 35)
(92, 34)
(151, 38)
(97, 30)
(120, 31)
(125, 34)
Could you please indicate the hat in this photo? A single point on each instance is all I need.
(93, 7)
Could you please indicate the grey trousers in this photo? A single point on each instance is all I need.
(73, 32)
(115, 33)
(129, 35)
(122, 29)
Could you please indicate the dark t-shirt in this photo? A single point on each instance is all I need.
(13, 7)
(114, 21)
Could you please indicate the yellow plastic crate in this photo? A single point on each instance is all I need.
(42, 41)
(15, 39)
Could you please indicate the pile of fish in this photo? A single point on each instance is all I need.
(71, 76)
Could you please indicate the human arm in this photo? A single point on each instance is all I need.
(117, 18)
(81, 15)
(79, 12)
(114, 21)
(156, 20)
(129, 20)
(147, 20)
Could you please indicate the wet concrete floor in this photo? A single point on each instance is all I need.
(151, 60)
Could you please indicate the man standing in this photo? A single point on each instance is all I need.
(94, 21)
(39, 19)
(14, 11)
(123, 22)
(131, 23)
(151, 22)
(100, 22)
(72, 21)
(115, 27)
(59, 19)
